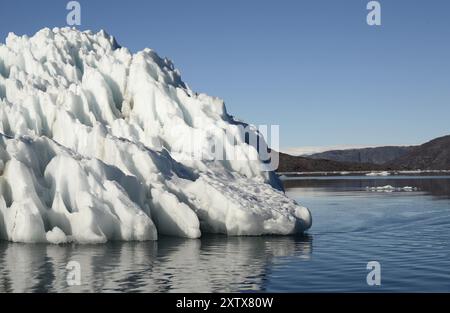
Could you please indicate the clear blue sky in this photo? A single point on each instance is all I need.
(314, 67)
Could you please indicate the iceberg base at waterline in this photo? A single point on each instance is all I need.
(92, 149)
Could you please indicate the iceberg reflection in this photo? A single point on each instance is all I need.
(210, 264)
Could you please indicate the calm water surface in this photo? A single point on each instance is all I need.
(406, 231)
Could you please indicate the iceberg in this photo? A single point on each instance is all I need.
(94, 146)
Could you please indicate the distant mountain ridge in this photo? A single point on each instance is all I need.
(290, 163)
(433, 155)
(376, 155)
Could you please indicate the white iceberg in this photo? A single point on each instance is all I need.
(92, 148)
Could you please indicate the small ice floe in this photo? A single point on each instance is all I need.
(57, 236)
(389, 188)
(384, 173)
(410, 172)
(408, 188)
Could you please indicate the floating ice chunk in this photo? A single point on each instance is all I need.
(389, 188)
(56, 236)
(384, 173)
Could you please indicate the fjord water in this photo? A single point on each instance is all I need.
(407, 232)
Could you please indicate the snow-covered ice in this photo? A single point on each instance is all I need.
(384, 173)
(93, 148)
(389, 188)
